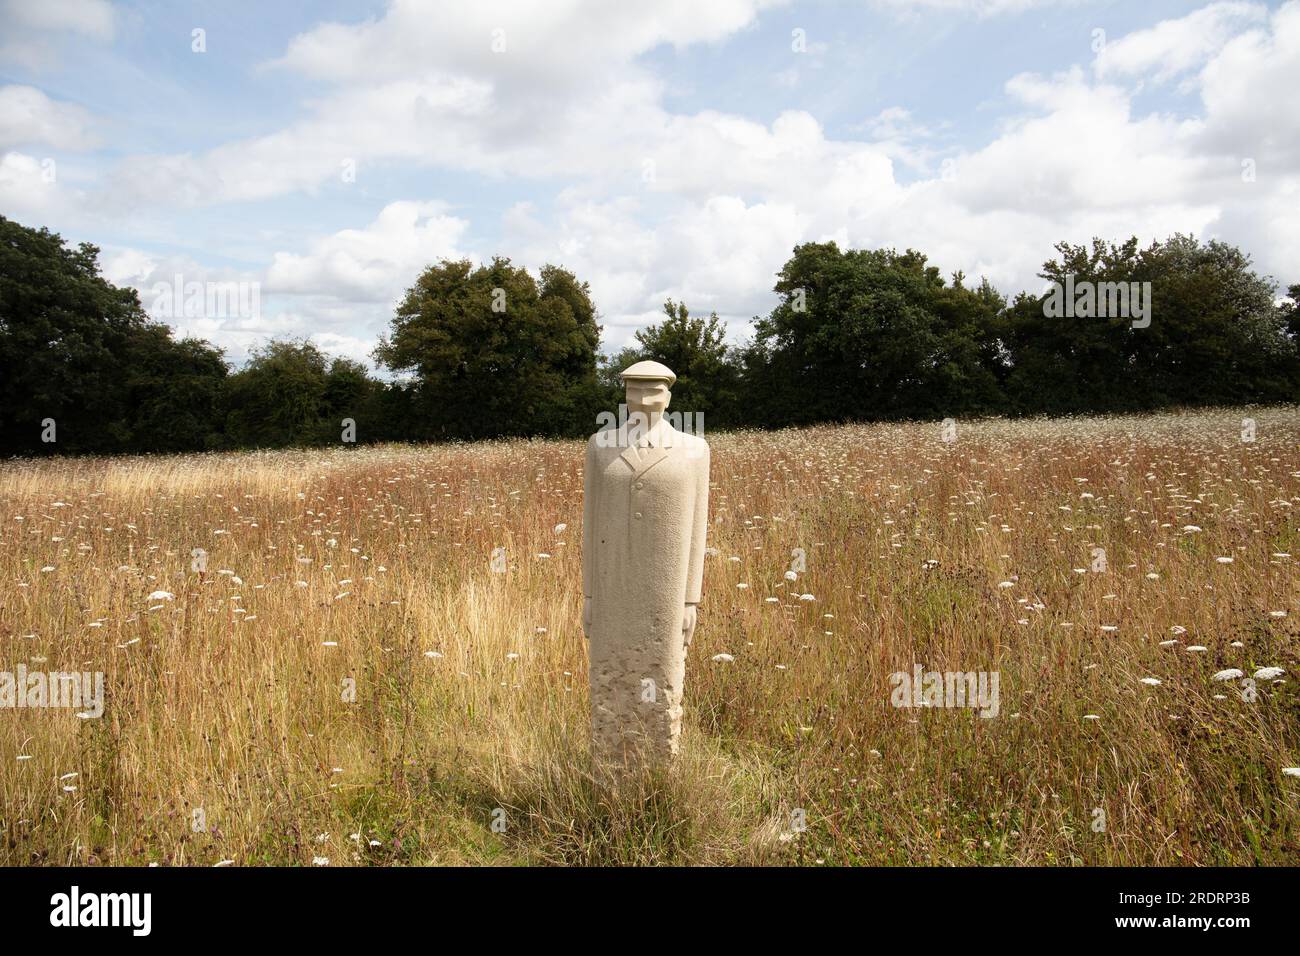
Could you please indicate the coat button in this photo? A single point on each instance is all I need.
(637, 516)
(640, 485)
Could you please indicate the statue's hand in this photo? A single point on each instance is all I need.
(586, 618)
(688, 624)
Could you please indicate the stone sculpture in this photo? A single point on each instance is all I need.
(645, 511)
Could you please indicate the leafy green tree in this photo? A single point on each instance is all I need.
(351, 392)
(696, 350)
(492, 352)
(969, 360)
(279, 397)
(174, 392)
(1214, 334)
(82, 352)
(1291, 312)
(610, 368)
(489, 350)
(863, 334)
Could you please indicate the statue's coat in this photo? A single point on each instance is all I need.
(645, 512)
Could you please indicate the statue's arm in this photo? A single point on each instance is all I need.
(588, 532)
(699, 529)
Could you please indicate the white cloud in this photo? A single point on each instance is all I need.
(29, 117)
(423, 85)
(983, 8)
(340, 292)
(29, 188)
(127, 267)
(513, 43)
(1174, 46)
(374, 264)
(1084, 151)
(32, 30)
(90, 17)
(1248, 90)
(720, 254)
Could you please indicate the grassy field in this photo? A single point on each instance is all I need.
(466, 740)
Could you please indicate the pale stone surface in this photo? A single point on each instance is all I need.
(645, 512)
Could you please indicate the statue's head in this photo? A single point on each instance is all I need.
(648, 385)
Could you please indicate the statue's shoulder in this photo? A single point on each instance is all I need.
(605, 438)
(692, 443)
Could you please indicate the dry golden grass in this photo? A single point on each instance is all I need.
(373, 564)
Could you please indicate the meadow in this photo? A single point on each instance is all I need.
(309, 658)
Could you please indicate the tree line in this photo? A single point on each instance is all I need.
(488, 351)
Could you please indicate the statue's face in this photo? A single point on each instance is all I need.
(648, 394)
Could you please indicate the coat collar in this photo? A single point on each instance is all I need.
(659, 438)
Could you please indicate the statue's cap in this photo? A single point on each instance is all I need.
(651, 370)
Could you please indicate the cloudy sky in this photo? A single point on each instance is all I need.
(681, 148)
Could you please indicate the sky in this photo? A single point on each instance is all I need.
(325, 153)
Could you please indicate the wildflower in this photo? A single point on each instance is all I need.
(723, 658)
(1231, 673)
(1269, 673)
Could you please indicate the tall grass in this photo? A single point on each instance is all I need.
(466, 740)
